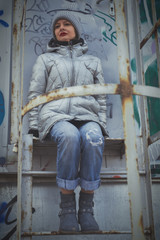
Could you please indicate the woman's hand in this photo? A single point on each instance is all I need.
(34, 132)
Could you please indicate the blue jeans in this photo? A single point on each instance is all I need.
(79, 154)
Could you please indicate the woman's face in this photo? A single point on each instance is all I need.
(64, 30)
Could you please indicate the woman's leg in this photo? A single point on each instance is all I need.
(92, 144)
(67, 137)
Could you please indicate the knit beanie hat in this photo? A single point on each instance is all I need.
(71, 18)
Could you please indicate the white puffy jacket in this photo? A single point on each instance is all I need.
(65, 66)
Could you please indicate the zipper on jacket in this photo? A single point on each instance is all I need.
(72, 70)
(71, 56)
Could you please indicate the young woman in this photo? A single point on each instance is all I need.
(76, 124)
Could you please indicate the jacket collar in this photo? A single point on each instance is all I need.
(55, 43)
(78, 46)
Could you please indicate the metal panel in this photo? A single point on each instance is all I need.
(5, 65)
(144, 135)
(26, 213)
(16, 69)
(155, 22)
(129, 133)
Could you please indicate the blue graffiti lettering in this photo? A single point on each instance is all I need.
(2, 215)
(2, 109)
(5, 211)
(5, 24)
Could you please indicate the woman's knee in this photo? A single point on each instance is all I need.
(92, 135)
(70, 136)
(63, 131)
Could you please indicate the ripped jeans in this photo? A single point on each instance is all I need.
(79, 154)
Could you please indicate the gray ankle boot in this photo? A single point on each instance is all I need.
(85, 214)
(67, 215)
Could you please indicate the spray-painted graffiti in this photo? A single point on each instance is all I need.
(2, 109)
(39, 6)
(2, 22)
(40, 23)
(39, 44)
(44, 6)
(5, 217)
(108, 33)
(5, 212)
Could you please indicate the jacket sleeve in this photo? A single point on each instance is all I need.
(37, 87)
(101, 99)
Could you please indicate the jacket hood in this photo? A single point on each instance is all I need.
(60, 47)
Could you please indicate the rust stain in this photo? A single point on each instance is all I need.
(24, 144)
(30, 148)
(137, 165)
(23, 215)
(149, 141)
(141, 222)
(15, 30)
(50, 98)
(125, 89)
(13, 87)
(12, 104)
(123, 10)
(130, 205)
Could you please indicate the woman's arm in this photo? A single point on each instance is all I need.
(99, 79)
(37, 87)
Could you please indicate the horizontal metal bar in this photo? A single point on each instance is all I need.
(112, 232)
(12, 178)
(154, 138)
(54, 173)
(148, 91)
(37, 142)
(27, 234)
(70, 92)
(151, 32)
(119, 89)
